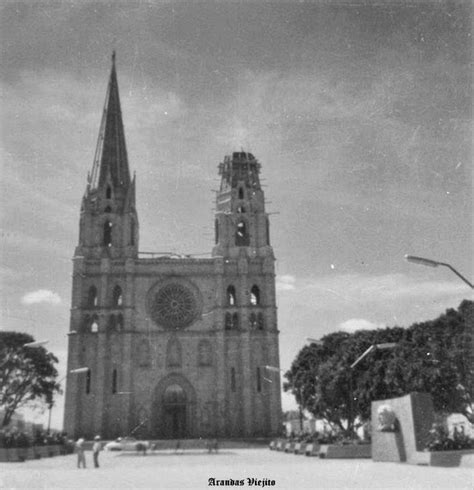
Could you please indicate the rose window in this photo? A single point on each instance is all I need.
(174, 306)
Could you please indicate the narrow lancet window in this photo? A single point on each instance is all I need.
(235, 320)
(108, 234)
(231, 296)
(92, 297)
(108, 193)
(232, 379)
(241, 235)
(255, 296)
(114, 381)
(88, 381)
(132, 233)
(95, 324)
(253, 320)
(117, 297)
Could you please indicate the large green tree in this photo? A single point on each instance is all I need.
(434, 357)
(27, 374)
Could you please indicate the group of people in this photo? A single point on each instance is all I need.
(81, 456)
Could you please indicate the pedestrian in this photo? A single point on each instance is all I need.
(96, 448)
(81, 457)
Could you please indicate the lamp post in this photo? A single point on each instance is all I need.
(373, 347)
(72, 371)
(300, 410)
(435, 263)
(36, 343)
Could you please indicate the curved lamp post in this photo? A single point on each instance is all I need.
(36, 343)
(435, 263)
(373, 347)
(72, 371)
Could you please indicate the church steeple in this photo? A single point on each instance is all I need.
(111, 153)
(242, 226)
(109, 222)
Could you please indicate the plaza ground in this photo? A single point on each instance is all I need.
(193, 469)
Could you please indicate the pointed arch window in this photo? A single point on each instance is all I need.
(132, 232)
(241, 234)
(120, 322)
(173, 353)
(117, 297)
(112, 324)
(92, 297)
(231, 296)
(253, 320)
(108, 234)
(204, 353)
(216, 230)
(255, 296)
(241, 209)
(108, 192)
(260, 322)
(259, 380)
(143, 354)
(86, 322)
(232, 379)
(95, 324)
(114, 381)
(235, 320)
(108, 209)
(88, 381)
(228, 321)
(241, 192)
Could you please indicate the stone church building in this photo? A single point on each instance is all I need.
(171, 346)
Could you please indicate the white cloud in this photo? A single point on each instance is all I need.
(41, 296)
(355, 324)
(286, 283)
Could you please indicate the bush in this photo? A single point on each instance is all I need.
(440, 440)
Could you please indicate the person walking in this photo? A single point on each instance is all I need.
(81, 457)
(96, 448)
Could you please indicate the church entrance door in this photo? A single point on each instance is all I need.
(175, 412)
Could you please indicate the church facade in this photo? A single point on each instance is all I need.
(171, 346)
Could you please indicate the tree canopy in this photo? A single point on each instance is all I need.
(433, 357)
(27, 374)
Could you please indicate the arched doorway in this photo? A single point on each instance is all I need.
(174, 408)
(174, 412)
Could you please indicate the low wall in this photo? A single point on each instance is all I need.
(346, 451)
(459, 458)
(18, 454)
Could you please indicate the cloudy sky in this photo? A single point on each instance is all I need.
(360, 116)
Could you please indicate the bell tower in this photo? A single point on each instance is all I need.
(249, 312)
(241, 225)
(102, 305)
(109, 223)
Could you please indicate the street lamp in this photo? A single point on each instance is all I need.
(36, 343)
(373, 347)
(72, 371)
(435, 263)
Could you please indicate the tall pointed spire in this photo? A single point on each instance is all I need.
(111, 152)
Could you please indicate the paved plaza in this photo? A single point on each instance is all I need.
(193, 469)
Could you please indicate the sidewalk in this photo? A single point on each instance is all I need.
(192, 469)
